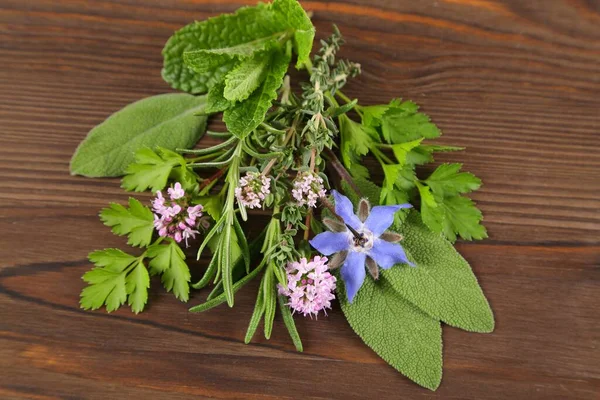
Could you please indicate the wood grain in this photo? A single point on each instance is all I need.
(516, 82)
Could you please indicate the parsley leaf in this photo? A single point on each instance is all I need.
(169, 260)
(446, 180)
(117, 277)
(402, 123)
(402, 150)
(432, 214)
(136, 222)
(137, 283)
(355, 141)
(463, 218)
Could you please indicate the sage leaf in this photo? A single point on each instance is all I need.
(166, 120)
(442, 284)
(404, 336)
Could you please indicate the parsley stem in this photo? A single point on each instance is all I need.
(347, 99)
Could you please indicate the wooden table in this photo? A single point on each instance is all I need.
(516, 82)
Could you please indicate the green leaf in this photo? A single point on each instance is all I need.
(245, 116)
(244, 79)
(402, 150)
(371, 115)
(135, 222)
(432, 214)
(212, 205)
(166, 120)
(291, 13)
(404, 336)
(169, 260)
(151, 169)
(442, 283)
(222, 298)
(446, 180)
(269, 299)
(463, 218)
(205, 60)
(106, 281)
(355, 141)
(402, 123)
(226, 30)
(288, 320)
(259, 310)
(356, 138)
(114, 260)
(216, 101)
(219, 43)
(137, 284)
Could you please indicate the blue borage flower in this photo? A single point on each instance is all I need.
(361, 240)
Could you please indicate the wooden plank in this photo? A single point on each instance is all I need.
(515, 82)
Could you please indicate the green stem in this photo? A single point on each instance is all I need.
(347, 99)
(341, 170)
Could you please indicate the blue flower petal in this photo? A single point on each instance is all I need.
(353, 273)
(328, 243)
(344, 208)
(387, 254)
(381, 217)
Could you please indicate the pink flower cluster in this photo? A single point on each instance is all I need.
(308, 187)
(173, 217)
(252, 189)
(309, 286)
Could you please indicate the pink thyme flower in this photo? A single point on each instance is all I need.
(308, 188)
(309, 286)
(252, 189)
(175, 218)
(176, 192)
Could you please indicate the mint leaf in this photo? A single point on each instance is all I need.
(151, 169)
(246, 24)
(216, 45)
(137, 283)
(402, 123)
(246, 77)
(446, 180)
(291, 14)
(244, 117)
(135, 222)
(404, 336)
(169, 260)
(463, 218)
(205, 60)
(442, 284)
(166, 120)
(216, 101)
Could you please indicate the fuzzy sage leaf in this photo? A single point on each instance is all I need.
(166, 120)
